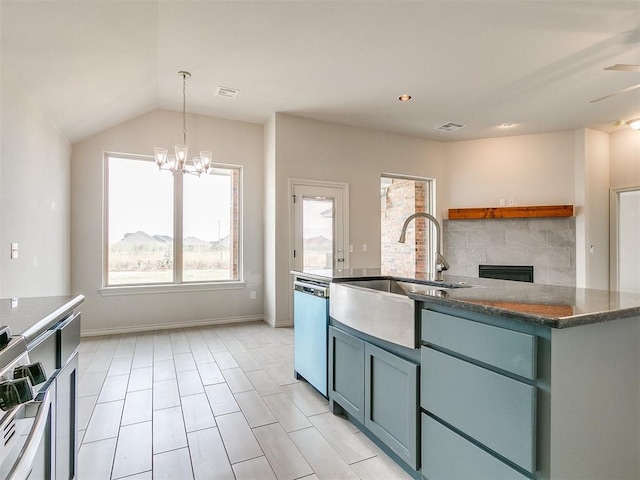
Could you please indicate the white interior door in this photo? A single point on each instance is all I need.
(627, 263)
(319, 225)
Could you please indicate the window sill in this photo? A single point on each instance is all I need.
(169, 288)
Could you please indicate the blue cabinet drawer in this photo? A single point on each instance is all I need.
(497, 411)
(511, 351)
(448, 456)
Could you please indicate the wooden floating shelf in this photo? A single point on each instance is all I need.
(511, 212)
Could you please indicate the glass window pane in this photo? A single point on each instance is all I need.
(209, 227)
(140, 223)
(317, 232)
(400, 198)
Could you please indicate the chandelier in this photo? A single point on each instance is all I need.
(180, 163)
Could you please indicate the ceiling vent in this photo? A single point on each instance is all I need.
(226, 92)
(450, 127)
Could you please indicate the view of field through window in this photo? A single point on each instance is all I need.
(141, 225)
(317, 233)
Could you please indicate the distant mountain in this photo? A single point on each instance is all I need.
(194, 241)
(317, 240)
(143, 238)
(163, 238)
(139, 238)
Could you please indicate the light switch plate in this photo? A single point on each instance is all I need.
(14, 251)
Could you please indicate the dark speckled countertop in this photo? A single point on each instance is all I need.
(33, 316)
(550, 305)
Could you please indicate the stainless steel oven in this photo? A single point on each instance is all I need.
(26, 406)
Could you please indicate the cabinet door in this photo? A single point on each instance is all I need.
(391, 402)
(66, 420)
(346, 372)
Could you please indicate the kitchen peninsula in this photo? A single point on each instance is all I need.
(495, 379)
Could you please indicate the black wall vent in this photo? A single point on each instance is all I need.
(518, 273)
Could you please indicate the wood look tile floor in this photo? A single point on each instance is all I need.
(215, 402)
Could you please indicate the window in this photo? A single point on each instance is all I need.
(165, 229)
(401, 197)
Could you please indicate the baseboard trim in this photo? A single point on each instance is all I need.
(275, 324)
(164, 326)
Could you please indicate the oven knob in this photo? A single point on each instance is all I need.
(5, 336)
(15, 392)
(34, 372)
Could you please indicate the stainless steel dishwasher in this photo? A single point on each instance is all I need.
(311, 326)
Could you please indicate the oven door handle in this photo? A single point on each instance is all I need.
(24, 463)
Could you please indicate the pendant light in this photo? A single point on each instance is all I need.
(180, 162)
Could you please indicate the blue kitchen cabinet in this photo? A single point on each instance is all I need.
(448, 456)
(378, 389)
(346, 373)
(391, 401)
(479, 396)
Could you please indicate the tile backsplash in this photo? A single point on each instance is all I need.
(548, 244)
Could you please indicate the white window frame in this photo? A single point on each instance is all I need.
(176, 285)
(431, 210)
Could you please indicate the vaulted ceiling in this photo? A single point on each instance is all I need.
(92, 64)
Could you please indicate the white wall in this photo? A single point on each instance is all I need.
(232, 142)
(530, 169)
(309, 149)
(34, 198)
(269, 220)
(592, 205)
(625, 158)
(545, 169)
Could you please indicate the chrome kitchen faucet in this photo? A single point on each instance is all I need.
(441, 262)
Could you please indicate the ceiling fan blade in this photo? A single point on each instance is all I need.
(623, 67)
(624, 90)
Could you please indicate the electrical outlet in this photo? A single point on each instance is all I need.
(350, 248)
(502, 203)
(252, 295)
(364, 247)
(512, 202)
(14, 251)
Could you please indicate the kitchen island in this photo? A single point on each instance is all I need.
(503, 379)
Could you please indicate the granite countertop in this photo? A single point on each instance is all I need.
(33, 316)
(549, 305)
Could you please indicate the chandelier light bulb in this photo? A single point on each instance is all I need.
(160, 155)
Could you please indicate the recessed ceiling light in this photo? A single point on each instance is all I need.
(404, 98)
(635, 123)
(507, 124)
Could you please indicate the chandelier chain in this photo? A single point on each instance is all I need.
(184, 108)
